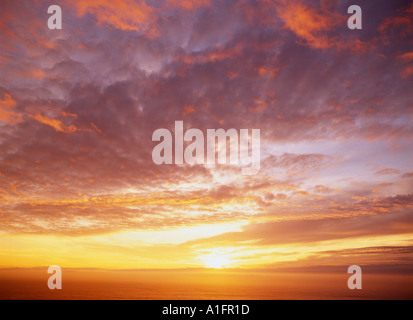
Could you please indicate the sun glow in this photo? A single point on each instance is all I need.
(215, 260)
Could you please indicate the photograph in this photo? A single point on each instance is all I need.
(206, 158)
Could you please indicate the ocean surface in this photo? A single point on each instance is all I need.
(226, 285)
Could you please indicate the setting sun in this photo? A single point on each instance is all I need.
(215, 260)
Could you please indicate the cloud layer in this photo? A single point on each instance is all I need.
(78, 107)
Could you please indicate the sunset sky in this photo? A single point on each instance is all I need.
(78, 106)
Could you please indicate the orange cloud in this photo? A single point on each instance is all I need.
(36, 73)
(6, 114)
(260, 105)
(262, 71)
(315, 26)
(96, 128)
(387, 171)
(54, 123)
(68, 114)
(322, 189)
(124, 15)
(407, 72)
(408, 69)
(188, 110)
(406, 56)
(402, 20)
(8, 101)
(132, 15)
(232, 75)
(308, 23)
